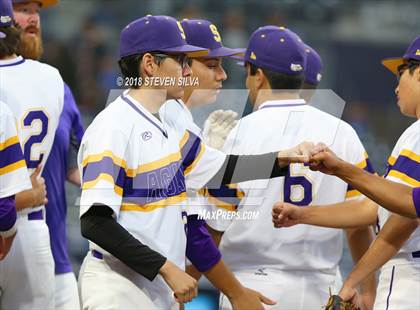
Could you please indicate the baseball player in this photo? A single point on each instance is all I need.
(61, 164)
(210, 74)
(294, 268)
(135, 170)
(27, 277)
(14, 177)
(396, 246)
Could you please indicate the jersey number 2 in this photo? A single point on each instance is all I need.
(300, 184)
(30, 118)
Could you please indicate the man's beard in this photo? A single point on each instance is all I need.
(31, 46)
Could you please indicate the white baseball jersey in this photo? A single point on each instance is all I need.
(275, 126)
(404, 167)
(140, 167)
(177, 115)
(14, 176)
(34, 92)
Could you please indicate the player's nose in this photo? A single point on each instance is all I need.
(221, 76)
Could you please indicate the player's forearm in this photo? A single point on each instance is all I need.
(242, 168)
(224, 280)
(388, 242)
(340, 215)
(391, 195)
(359, 240)
(98, 226)
(25, 199)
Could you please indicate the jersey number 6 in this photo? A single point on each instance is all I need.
(297, 190)
(28, 121)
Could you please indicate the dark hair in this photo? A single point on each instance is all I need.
(279, 80)
(130, 66)
(10, 44)
(413, 64)
(410, 64)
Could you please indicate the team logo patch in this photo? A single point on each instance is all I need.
(418, 52)
(253, 56)
(296, 67)
(147, 135)
(5, 19)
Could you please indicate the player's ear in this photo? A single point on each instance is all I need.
(259, 79)
(147, 65)
(417, 73)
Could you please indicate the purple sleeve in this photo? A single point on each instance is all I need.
(416, 200)
(7, 213)
(76, 126)
(201, 249)
(77, 130)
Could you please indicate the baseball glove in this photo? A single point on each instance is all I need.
(335, 302)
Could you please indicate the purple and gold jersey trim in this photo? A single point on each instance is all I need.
(227, 197)
(406, 167)
(365, 165)
(416, 200)
(192, 149)
(11, 156)
(150, 186)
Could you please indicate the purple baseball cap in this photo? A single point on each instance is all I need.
(314, 65)
(156, 34)
(203, 33)
(277, 49)
(413, 52)
(6, 15)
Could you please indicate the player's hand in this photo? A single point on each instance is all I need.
(39, 189)
(218, 126)
(348, 293)
(286, 215)
(324, 160)
(250, 299)
(185, 287)
(298, 154)
(5, 245)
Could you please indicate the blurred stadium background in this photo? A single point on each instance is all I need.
(81, 39)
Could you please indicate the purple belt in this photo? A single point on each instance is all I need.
(97, 254)
(36, 215)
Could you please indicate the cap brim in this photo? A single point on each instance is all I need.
(190, 50)
(226, 52)
(44, 3)
(240, 55)
(392, 64)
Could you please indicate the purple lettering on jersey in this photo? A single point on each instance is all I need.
(11, 155)
(55, 174)
(155, 185)
(7, 213)
(416, 200)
